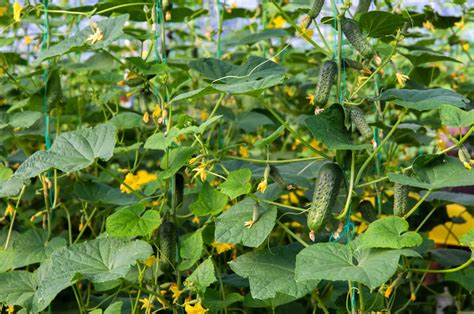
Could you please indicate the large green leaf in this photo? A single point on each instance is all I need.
(111, 28)
(23, 119)
(11, 187)
(18, 288)
(418, 57)
(452, 197)
(71, 151)
(335, 261)
(249, 39)
(127, 120)
(202, 277)
(99, 260)
(380, 24)
(390, 232)
(214, 302)
(190, 249)
(328, 128)
(464, 277)
(100, 194)
(33, 247)
(230, 225)
(237, 183)
(456, 118)
(436, 172)
(174, 159)
(133, 221)
(424, 99)
(272, 271)
(209, 202)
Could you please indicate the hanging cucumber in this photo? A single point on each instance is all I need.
(327, 78)
(277, 178)
(367, 211)
(358, 118)
(363, 6)
(324, 197)
(352, 64)
(400, 199)
(167, 245)
(315, 9)
(351, 30)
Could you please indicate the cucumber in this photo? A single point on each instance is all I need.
(363, 6)
(327, 78)
(277, 178)
(325, 195)
(315, 9)
(167, 245)
(358, 118)
(367, 211)
(351, 30)
(400, 199)
(168, 5)
(352, 64)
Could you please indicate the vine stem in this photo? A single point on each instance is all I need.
(351, 188)
(282, 161)
(320, 303)
(414, 208)
(293, 132)
(10, 229)
(292, 234)
(444, 271)
(374, 153)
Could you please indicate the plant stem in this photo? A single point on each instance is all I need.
(292, 234)
(282, 205)
(444, 271)
(350, 190)
(263, 161)
(320, 303)
(418, 204)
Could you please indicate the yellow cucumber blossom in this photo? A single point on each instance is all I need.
(17, 7)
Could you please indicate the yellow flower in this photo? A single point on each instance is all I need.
(204, 115)
(310, 99)
(96, 36)
(388, 292)
(296, 225)
(243, 151)
(147, 305)
(306, 32)
(156, 112)
(195, 309)
(28, 40)
(9, 210)
(429, 26)
(262, 186)
(196, 220)
(3, 10)
(146, 117)
(150, 261)
(465, 46)
(81, 227)
(11, 309)
(201, 172)
(293, 198)
(460, 24)
(233, 4)
(17, 11)
(401, 78)
(290, 90)
(134, 182)
(222, 247)
(176, 292)
(277, 22)
(467, 165)
(412, 297)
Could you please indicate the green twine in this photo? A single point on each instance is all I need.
(377, 142)
(219, 29)
(45, 78)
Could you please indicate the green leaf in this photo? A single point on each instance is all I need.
(328, 127)
(436, 172)
(174, 159)
(127, 120)
(12, 187)
(418, 57)
(456, 118)
(71, 151)
(335, 261)
(24, 119)
(452, 197)
(133, 221)
(237, 183)
(272, 271)
(102, 194)
(33, 247)
(111, 28)
(6, 259)
(424, 99)
(99, 260)
(468, 239)
(190, 249)
(18, 288)
(202, 277)
(158, 141)
(464, 277)
(5, 174)
(209, 202)
(379, 24)
(114, 308)
(214, 302)
(391, 233)
(249, 39)
(230, 225)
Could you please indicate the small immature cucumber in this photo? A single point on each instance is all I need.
(367, 211)
(363, 6)
(327, 78)
(351, 30)
(276, 177)
(325, 195)
(167, 234)
(400, 199)
(315, 9)
(358, 118)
